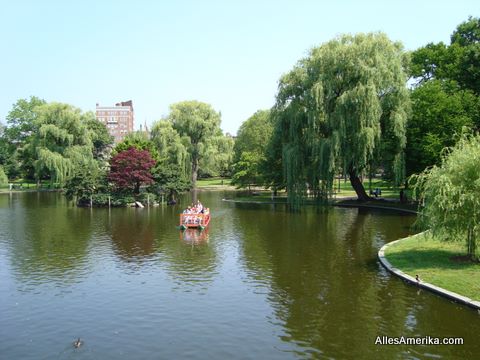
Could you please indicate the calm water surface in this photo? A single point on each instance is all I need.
(261, 283)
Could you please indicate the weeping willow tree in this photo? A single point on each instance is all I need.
(217, 156)
(450, 193)
(62, 142)
(172, 171)
(3, 177)
(198, 124)
(342, 107)
(171, 148)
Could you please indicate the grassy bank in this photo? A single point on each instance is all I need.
(439, 263)
(342, 189)
(216, 183)
(28, 185)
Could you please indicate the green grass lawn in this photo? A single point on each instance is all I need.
(213, 182)
(439, 263)
(343, 188)
(28, 185)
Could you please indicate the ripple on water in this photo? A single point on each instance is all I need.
(265, 283)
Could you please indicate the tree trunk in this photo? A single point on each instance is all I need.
(358, 186)
(194, 196)
(194, 172)
(471, 244)
(171, 198)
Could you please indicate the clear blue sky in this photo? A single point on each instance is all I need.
(226, 53)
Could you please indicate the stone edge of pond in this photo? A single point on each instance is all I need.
(410, 279)
(373, 206)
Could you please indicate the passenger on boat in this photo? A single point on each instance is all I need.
(199, 207)
(194, 210)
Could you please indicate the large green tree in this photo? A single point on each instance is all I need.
(170, 146)
(168, 180)
(337, 107)
(254, 134)
(3, 177)
(450, 194)
(465, 42)
(271, 167)
(139, 140)
(445, 95)
(217, 156)
(21, 119)
(438, 117)
(5, 152)
(21, 125)
(171, 173)
(198, 123)
(250, 149)
(459, 61)
(62, 142)
(246, 171)
(101, 139)
(85, 181)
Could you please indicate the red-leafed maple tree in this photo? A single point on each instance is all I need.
(130, 169)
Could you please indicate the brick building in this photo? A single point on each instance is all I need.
(118, 119)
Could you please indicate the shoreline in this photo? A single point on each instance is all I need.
(17, 191)
(339, 202)
(347, 202)
(464, 300)
(450, 295)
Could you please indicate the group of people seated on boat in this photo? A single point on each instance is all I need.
(195, 213)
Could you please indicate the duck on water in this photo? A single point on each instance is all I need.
(77, 343)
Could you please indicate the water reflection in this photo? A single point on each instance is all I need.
(194, 236)
(190, 259)
(259, 282)
(132, 232)
(322, 281)
(47, 242)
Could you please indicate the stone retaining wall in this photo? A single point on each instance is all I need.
(438, 290)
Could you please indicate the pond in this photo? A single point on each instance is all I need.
(260, 283)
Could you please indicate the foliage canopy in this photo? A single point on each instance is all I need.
(198, 124)
(250, 149)
(445, 95)
(130, 169)
(451, 194)
(61, 142)
(337, 108)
